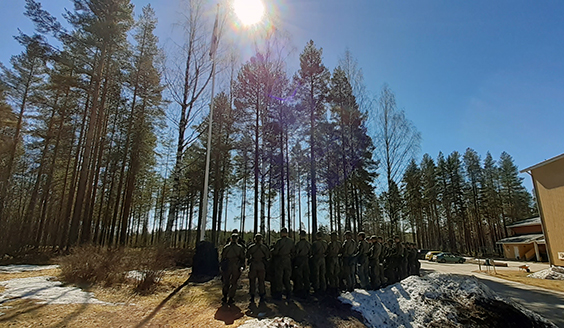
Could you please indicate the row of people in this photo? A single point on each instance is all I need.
(327, 267)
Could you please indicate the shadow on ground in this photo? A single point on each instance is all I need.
(161, 305)
(228, 314)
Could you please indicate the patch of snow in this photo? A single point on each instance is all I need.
(432, 300)
(278, 322)
(135, 275)
(15, 268)
(554, 273)
(46, 290)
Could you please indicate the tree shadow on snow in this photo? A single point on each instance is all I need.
(26, 307)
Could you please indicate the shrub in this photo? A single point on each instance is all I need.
(91, 265)
(147, 267)
(143, 267)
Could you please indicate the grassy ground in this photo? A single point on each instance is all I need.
(174, 304)
(521, 276)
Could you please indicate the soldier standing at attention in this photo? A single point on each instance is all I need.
(390, 263)
(318, 250)
(383, 279)
(374, 263)
(401, 260)
(362, 250)
(347, 251)
(232, 259)
(258, 255)
(332, 263)
(282, 259)
(301, 266)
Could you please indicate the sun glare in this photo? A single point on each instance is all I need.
(249, 11)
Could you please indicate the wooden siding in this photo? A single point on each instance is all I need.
(549, 186)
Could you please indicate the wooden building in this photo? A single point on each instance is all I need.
(526, 241)
(548, 181)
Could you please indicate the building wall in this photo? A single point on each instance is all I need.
(549, 185)
(509, 252)
(527, 230)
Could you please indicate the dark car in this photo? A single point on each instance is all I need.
(448, 257)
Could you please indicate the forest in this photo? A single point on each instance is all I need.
(88, 106)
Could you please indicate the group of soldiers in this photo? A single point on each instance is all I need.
(328, 267)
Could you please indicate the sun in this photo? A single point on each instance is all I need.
(249, 11)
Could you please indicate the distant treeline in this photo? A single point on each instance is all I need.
(86, 154)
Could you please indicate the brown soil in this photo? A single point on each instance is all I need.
(174, 303)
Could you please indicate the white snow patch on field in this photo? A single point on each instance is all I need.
(278, 322)
(16, 268)
(45, 290)
(554, 273)
(420, 302)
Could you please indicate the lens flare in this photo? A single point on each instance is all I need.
(249, 11)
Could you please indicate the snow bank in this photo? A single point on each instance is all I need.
(277, 322)
(46, 291)
(434, 300)
(554, 273)
(25, 267)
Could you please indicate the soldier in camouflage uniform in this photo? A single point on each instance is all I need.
(282, 258)
(400, 258)
(347, 252)
(361, 255)
(258, 255)
(389, 262)
(332, 263)
(374, 263)
(318, 250)
(232, 259)
(301, 266)
(414, 264)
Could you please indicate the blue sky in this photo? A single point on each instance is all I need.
(482, 74)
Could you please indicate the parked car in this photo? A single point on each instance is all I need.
(421, 253)
(430, 254)
(448, 257)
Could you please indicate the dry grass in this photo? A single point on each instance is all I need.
(195, 305)
(521, 276)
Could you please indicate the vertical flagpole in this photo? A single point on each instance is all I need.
(213, 49)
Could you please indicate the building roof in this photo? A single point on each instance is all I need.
(548, 161)
(526, 222)
(523, 239)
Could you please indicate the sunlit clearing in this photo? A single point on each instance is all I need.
(249, 11)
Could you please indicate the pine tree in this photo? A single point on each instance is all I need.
(259, 82)
(22, 82)
(430, 202)
(312, 79)
(445, 196)
(516, 201)
(473, 172)
(491, 199)
(146, 109)
(413, 197)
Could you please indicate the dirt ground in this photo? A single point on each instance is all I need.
(175, 303)
(521, 276)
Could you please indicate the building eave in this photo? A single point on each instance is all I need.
(548, 161)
